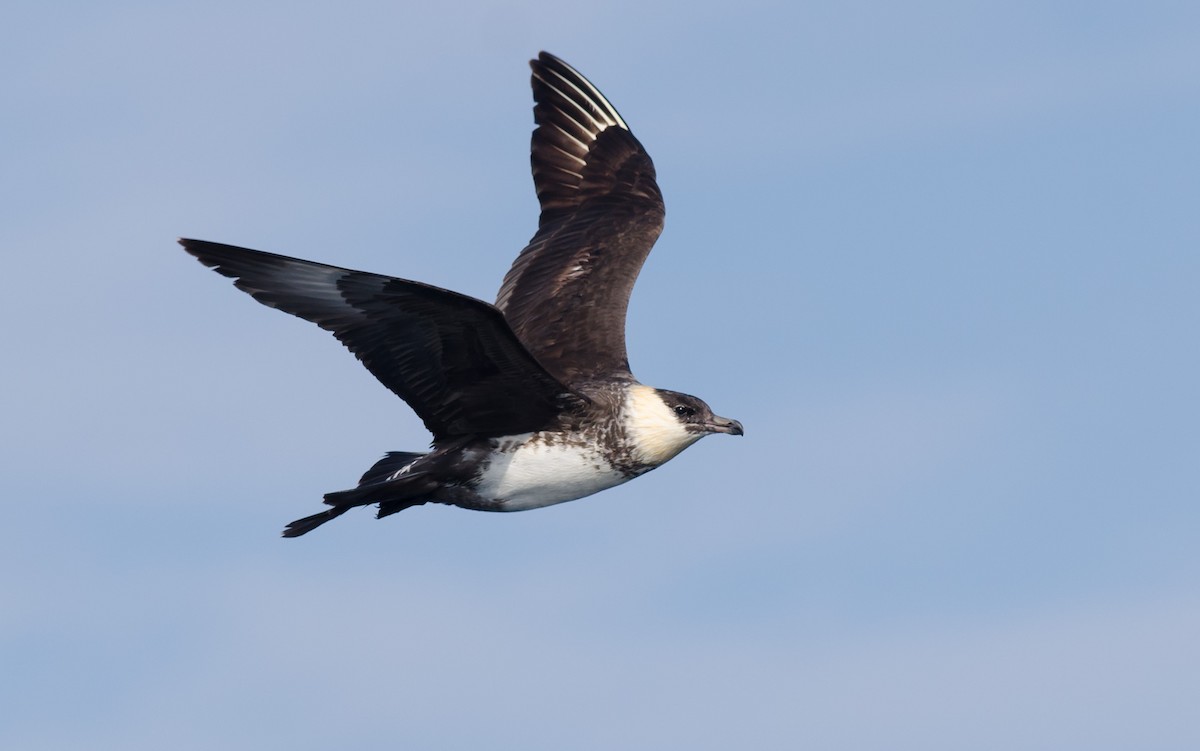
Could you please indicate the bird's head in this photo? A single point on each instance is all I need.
(695, 416)
(662, 423)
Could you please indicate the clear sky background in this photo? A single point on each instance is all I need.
(941, 258)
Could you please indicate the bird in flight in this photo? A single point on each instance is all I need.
(530, 401)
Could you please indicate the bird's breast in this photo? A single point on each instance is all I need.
(534, 470)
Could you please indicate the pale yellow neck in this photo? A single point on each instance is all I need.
(657, 436)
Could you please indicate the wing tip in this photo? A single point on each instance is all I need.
(544, 58)
(216, 256)
(547, 62)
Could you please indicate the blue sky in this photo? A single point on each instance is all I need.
(940, 258)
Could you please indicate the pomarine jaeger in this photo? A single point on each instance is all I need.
(531, 401)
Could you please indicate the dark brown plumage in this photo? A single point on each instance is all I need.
(451, 357)
(531, 402)
(567, 293)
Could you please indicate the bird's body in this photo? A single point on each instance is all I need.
(530, 402)
(531, 470)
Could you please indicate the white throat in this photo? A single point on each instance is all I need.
(655, 433)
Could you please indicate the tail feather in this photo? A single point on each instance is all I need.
(309, 523)
(403, 488)
(387, 508)
(389, 465)
(392, 495)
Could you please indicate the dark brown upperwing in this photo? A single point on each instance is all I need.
(566, 295)
(453, 358)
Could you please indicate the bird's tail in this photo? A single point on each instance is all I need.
(383, 483)
(309, 523)
(388, 466)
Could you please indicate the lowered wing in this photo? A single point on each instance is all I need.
(453, 358)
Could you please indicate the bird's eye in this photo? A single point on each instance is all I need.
(684, 410)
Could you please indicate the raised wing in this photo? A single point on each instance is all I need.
(566, 295)
(453, 358)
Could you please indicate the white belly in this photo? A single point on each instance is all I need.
(537, 474)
